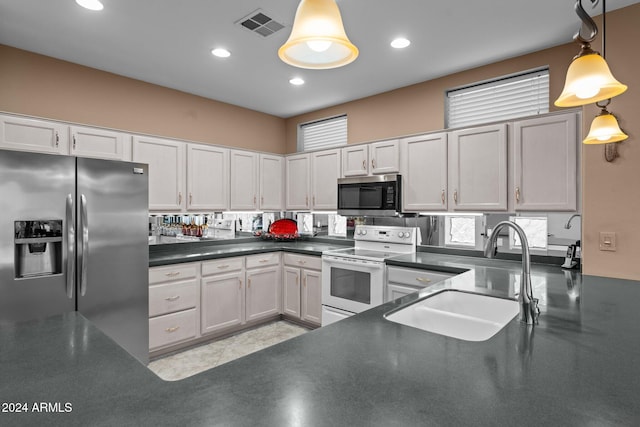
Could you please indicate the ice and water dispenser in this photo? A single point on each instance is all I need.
(38, 248)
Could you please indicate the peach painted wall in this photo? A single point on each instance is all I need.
(611, 200)
(420, 108)
(45, 87)
(611, 191)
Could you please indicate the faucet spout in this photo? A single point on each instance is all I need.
(528, 304)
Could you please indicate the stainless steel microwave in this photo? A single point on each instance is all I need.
(369, 196)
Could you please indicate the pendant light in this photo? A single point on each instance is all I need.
(318, 39)
(604, 128)
(588, 78)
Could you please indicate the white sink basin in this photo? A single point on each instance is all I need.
(462, 315)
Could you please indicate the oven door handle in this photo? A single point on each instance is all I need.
(368, 265)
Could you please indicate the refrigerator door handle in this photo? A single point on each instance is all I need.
(71, 246)
(85, 244)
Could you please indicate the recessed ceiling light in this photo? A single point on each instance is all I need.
(90, 4)
(221, 53)
(400, 43)
(296, 81)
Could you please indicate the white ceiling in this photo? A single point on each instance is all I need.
(168, 42)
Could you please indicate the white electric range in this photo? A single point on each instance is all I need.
(353, 279)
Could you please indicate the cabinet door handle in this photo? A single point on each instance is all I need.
(517, 194)
(254, 200)
(239, 283)
(442, 197)
(74, 142)
(306, 201)
(314, 200)
(262, 200)
(179, 197)
(364, 165)
(373, 163)
(304, 282)
(301, 261)
(190, 198)
(174, 298)
(297, 279)
(455, 196)
(223, 266)
(173, 329)
(57, 139)
(423, 279)
(264, 260)
(248, 283)
(172, 274)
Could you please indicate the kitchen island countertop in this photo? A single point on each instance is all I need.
(579, 366)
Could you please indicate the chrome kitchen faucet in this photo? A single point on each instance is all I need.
(529, 310)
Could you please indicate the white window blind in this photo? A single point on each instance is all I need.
(322, 134)
(521, 95)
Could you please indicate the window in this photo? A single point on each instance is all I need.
(322, 134)
(535, 228)
(460, 230)
(508, 97)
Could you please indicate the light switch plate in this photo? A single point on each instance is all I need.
(607, 241)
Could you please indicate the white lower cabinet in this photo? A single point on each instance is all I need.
(263, 299)
(173, 304)
(222, 294)
(405, 281)
(302, 288)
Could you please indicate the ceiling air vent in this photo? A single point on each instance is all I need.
(258, 22)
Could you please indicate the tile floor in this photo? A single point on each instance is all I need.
(190, 362)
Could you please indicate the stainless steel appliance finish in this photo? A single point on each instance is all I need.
(353, 279)
(103, 250)
(370, 195)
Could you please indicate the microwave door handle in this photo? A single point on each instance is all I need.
(85, 244)
(71, 246)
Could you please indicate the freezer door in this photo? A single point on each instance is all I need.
(36, 220)
(113, 253)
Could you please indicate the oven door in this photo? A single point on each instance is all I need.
(352, 284)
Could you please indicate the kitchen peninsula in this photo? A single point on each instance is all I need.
(577, 367)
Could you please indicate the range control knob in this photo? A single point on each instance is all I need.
(364, 232)
(400, 234)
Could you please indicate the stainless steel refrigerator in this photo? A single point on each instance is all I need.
(74, 236)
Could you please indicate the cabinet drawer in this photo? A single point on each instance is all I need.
(172, 273)
(172, 297)
(303, 261)
(263, 260)
(416, 278)
(222, 266)
(172, 328)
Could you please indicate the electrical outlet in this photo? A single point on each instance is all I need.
(607, 241)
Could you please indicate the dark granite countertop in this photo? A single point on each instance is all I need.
(579, 366)
(202, 251)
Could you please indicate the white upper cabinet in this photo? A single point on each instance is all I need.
(244, 180)
(34, 135)
(375, 158)
(100, 143)
(207, 177)
(325, 170)
(424, 172)
(271, 182)
(384, 157)
(298, 185)
(477, 164)
(166, 160)
(355, 160)
(545, 163)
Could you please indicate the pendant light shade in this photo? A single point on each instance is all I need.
(604, 129)
(588, 80)
(318, 39)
